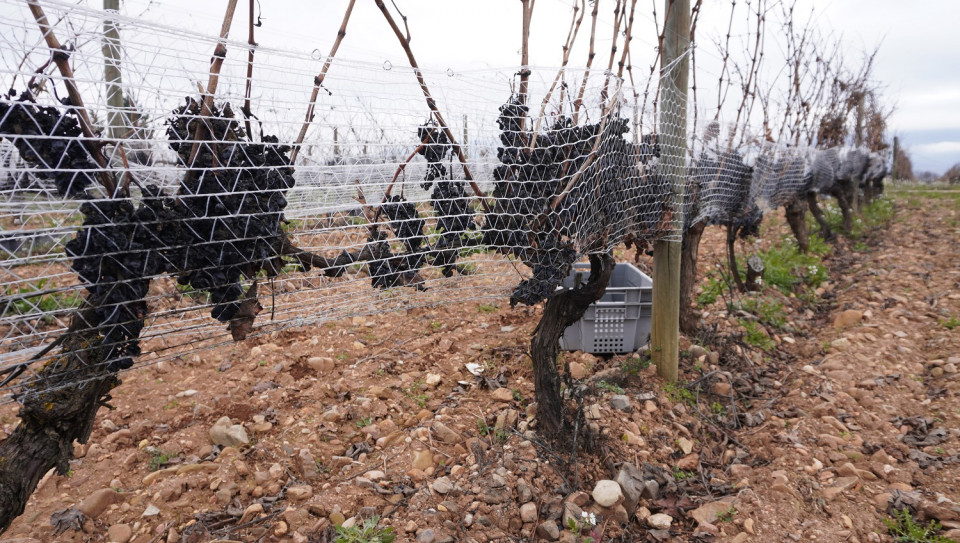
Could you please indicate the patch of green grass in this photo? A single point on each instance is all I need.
(878, 213)
(727, 516)
(487, 308)
(367, 532)
(157, 460)
(435, 325)
(950, 323)
(787, 269)
(717, 408)
(711, 290)
(770, 312)
(364, 422)
(416, 393)
(610, 387)
(43, 304)
(172, 404)
(501, 435)
(681, 475)
(756, 335)
(679, 393)
(482, 427)
(905, 529)
(634, 365)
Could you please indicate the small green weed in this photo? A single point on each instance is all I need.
(157, 460)
(44, 304)
(436, 325)
(364, 422)
(415, 392)
(679, 393)
(786, 268)
(905, 529)
(768, 311)
(634, 365)
(368, 532)
(950, 323)
(482, 427)
(727, 516)
(487, 308)
(756, 336)
(681, 475)
(610, 387)
(712, 290)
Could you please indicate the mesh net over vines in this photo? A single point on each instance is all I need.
(182, 224)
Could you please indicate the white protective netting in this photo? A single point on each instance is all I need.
(188, 209)
(192, 218)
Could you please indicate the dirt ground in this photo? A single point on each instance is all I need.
(852, 413)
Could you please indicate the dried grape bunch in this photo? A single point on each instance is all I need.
(434, 146)
(116, 252)
(569, 191)
(233, 198)
(454, 219)
(49, 140)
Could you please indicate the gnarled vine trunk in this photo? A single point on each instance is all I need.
(562, 310)
(59, 406)
(688, 276)
(796, 213)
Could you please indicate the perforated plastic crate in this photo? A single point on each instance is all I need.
(617, 323)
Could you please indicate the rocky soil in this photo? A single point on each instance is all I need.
(424, 421)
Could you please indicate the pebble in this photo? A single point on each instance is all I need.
(606, 493)
(502, 395)
(427, 536)
(548, 530)
(422, 459)
(848, 318)
(659, 521)
(621, 402)
(226, 434)
(442, 485)
(97, 502)
(119, 533)
(448, 435)
(528, 512)
(299, 493)
(577, 370)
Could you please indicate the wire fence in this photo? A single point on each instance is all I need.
(181, 222)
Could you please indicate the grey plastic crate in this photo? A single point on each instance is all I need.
(620, 321)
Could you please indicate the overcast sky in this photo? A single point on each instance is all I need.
(918, 64)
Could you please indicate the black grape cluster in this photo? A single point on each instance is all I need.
(533, 175)
(49, 141)
(454, 215)
(434, 147)
(724, 183)
(116, 252)
(233, 201)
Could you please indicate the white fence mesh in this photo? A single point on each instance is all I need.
(210, 219)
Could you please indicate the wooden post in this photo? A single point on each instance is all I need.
(893, 166)
(116, 119)
(664, 337)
